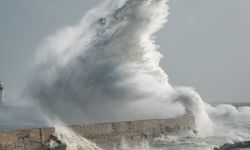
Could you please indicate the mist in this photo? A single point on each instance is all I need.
(105, 68)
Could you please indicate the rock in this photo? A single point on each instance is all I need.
(235, 146)
(56, 144)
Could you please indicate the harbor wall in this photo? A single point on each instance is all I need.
(105, 135)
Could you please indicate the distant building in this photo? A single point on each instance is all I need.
(1, 93)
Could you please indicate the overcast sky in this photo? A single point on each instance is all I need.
(206, 43)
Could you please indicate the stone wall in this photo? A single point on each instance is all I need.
(106, 135)
(28, 139)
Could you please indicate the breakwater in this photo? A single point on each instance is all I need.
(105, 135)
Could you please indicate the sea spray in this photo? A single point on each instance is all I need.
(195, 106)
(71, 140)
(106, 68)
(107, 61)
(110, 60)
(143, 145)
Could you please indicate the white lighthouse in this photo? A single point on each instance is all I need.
(1, 93)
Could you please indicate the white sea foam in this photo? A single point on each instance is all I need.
(72, 140)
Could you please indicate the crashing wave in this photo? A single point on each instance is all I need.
(66, 139)
(106, 68)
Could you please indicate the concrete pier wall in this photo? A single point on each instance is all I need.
(106, 135)
(28, 139)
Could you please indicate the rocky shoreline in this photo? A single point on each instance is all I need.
(235, 146)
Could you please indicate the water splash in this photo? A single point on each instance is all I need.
(195, 106)
(107, 61)
(72, 140)
(106, 68)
